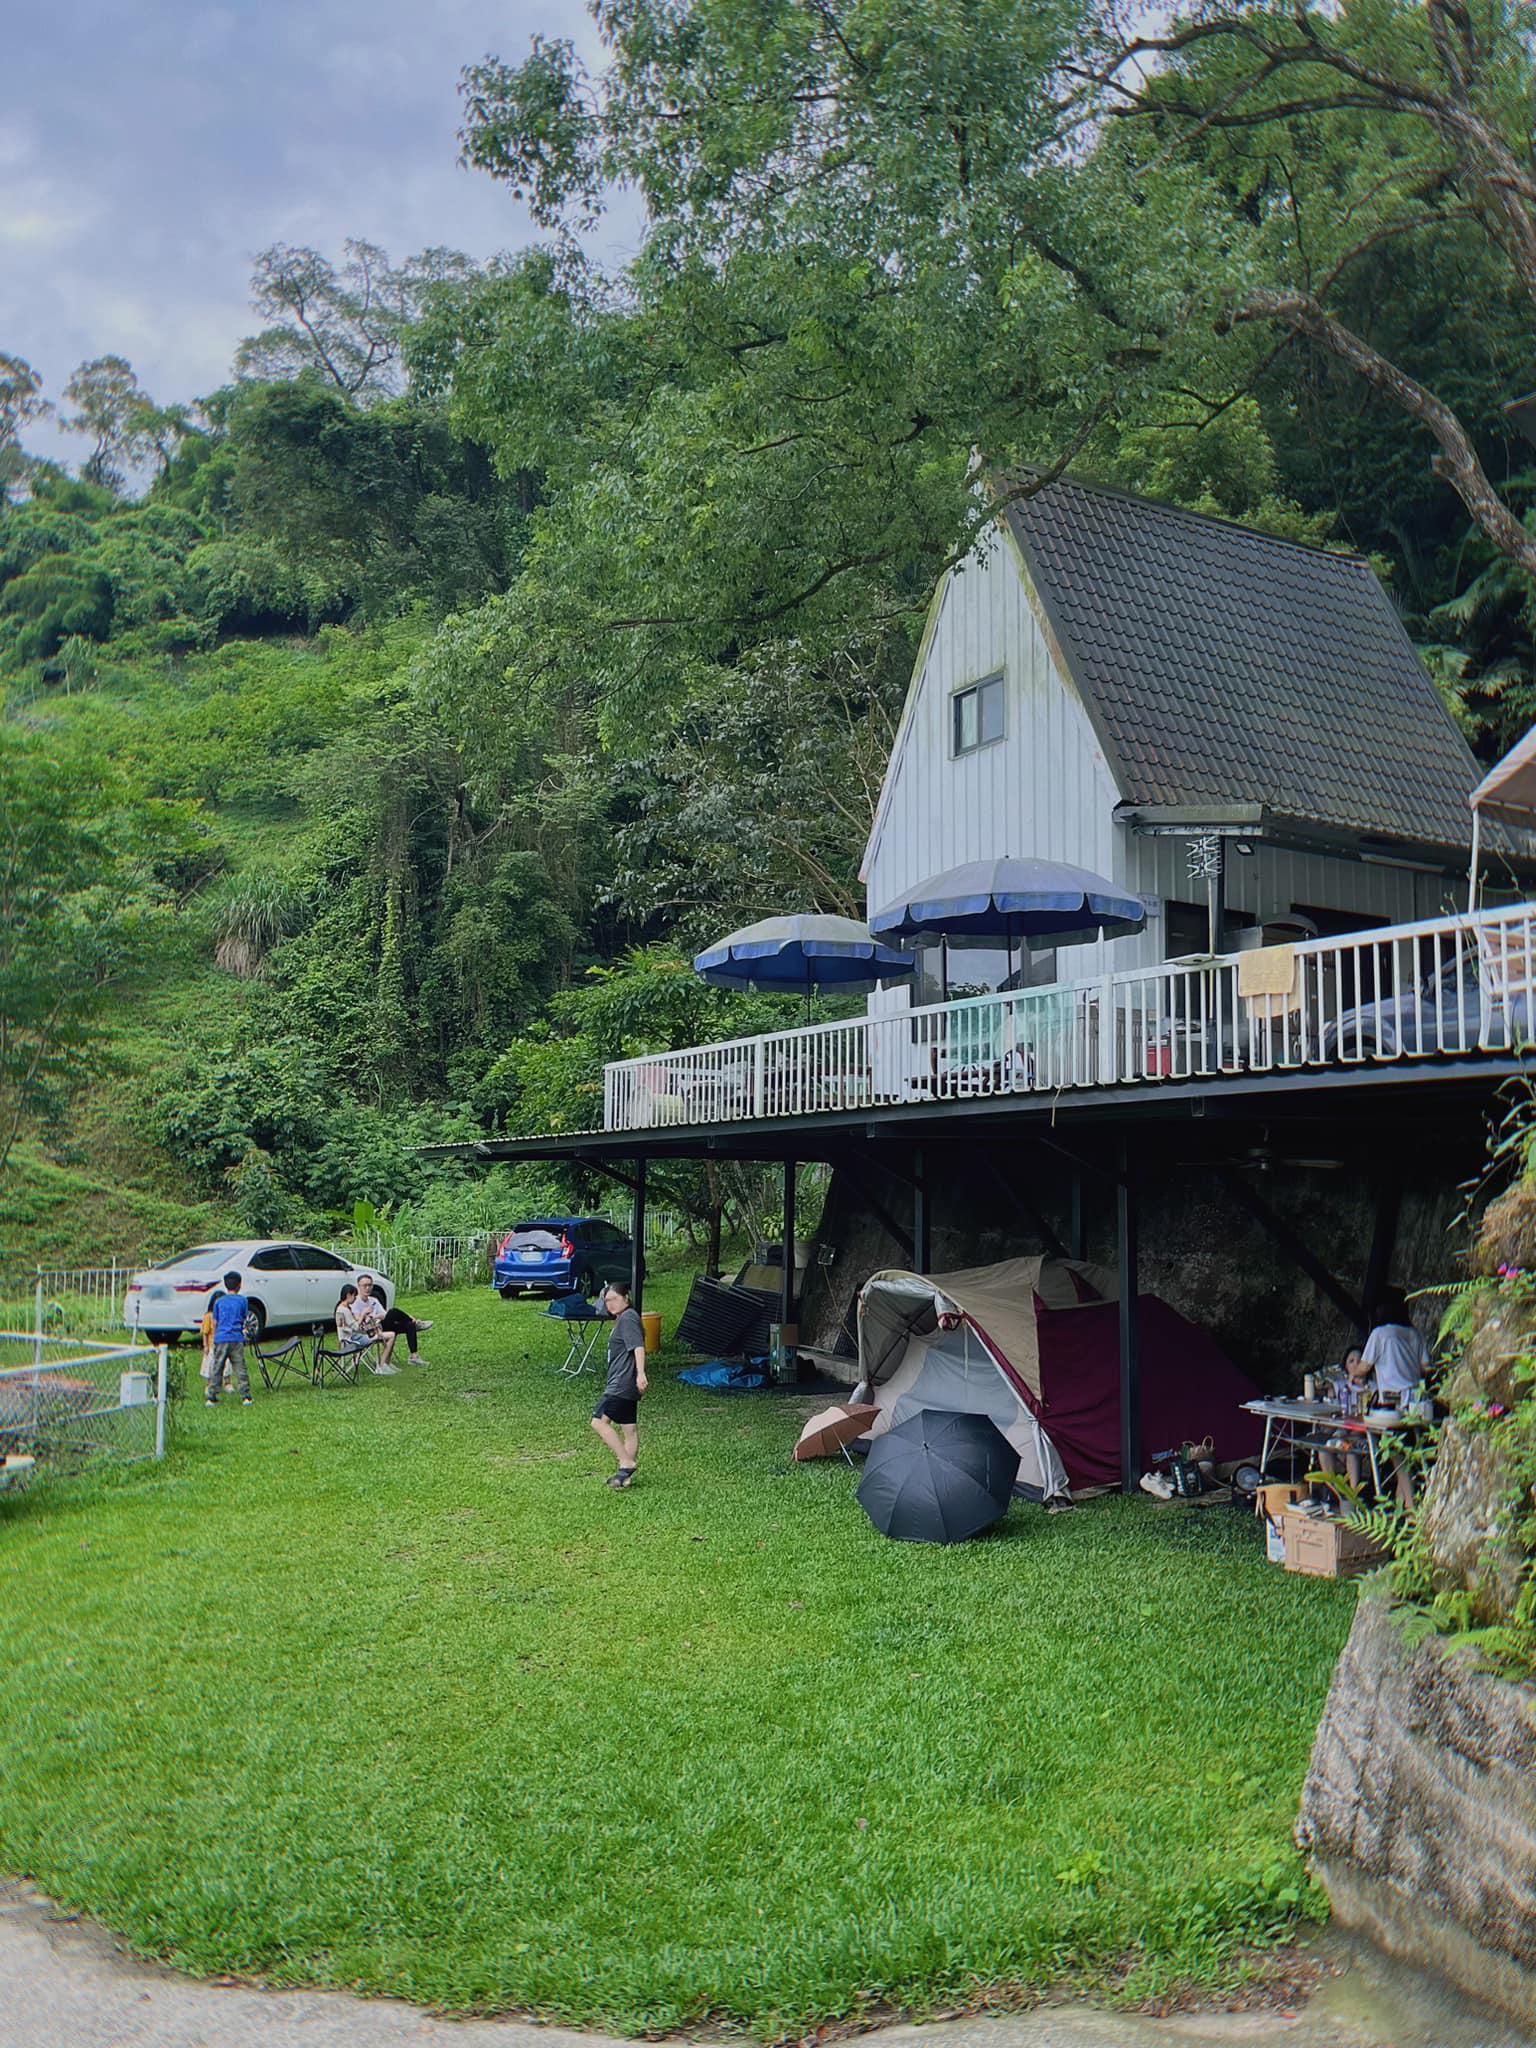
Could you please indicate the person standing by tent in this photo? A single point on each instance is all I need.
(616, 1418)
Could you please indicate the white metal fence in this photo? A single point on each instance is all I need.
(62, 1400)
(1448, 986)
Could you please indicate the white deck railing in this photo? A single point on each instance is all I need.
(1449, 986)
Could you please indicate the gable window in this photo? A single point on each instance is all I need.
(977, 715)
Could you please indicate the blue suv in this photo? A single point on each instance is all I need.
(566, 1254)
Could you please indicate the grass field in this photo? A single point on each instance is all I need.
(385, 1688)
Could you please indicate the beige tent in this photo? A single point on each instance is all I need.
(963, 1341)
(1034, 1345)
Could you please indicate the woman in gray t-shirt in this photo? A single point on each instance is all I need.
(616, 1418)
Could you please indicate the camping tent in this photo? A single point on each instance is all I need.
(1035, 1345)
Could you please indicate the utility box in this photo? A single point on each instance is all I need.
(134, 1390)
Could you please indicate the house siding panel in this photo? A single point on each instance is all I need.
(1044, 788)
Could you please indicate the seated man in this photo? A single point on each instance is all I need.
(357, 1331)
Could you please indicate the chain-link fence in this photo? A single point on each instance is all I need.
(63, 1400)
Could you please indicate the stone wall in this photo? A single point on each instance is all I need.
(1419, 1811)
(1201, 1249)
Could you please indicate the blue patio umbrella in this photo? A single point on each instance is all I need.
(798, 953)
(1041, 902)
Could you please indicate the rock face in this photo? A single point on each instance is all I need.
(1201, 1250)
(1420, 1810)
(1464, 1525)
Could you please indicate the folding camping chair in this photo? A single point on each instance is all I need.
(278, 1362)
(584, 1320)
(331, 1363)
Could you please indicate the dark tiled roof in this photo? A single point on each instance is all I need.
(1221, 666)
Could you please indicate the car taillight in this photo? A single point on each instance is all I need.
(135, 1286)
(194, 1286)
(505, 1244)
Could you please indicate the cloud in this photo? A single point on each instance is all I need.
(162, 146)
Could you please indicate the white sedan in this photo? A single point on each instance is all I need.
(290, 1286)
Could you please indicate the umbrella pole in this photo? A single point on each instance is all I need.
(1477, 848)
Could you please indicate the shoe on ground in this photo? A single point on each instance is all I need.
(210, 1402)
(417, 1359)
(623, 1478)
(1155, 1484)
(384, 1369)
(246, 1401)
(1060, 1505)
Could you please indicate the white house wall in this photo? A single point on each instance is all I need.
(1046, 787)
(1043, 788)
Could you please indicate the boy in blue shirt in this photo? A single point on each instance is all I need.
(230, 1310)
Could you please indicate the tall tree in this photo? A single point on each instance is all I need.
(343, 324)
(117, 414)
(1333, 132)
(21, 403)
(877, 247)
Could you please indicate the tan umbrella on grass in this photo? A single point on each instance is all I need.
(831, 1430)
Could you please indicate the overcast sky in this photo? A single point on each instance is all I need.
(148, 149)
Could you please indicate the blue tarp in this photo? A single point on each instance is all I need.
(723, 1378)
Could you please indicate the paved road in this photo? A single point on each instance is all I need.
(66, 1984)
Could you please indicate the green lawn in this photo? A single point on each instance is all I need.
(385, 1688)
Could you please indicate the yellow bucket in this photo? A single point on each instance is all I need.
(652, 1326)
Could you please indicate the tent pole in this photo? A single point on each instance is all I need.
(1477, 848)
(637, 1238)
(1130, 1330)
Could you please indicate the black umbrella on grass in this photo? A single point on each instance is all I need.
(938, 1477)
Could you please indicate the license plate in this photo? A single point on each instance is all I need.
(158, 1293)
(532, 1257)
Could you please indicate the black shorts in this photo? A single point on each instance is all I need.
(618, 1408)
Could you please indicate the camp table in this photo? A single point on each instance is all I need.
(584, 1323)
(1314, 1425)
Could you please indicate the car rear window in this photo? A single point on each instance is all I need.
(199, 1255)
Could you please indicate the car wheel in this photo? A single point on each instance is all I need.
(507, 1293)
(171, 1337)
(583, 1283)
(255, 1322)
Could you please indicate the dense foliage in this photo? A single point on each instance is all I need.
(500, 620)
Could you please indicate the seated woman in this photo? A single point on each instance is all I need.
(356, 1331)
(388, 1324)
(1352, 1386)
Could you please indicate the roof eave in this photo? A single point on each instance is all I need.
(1305, 835)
